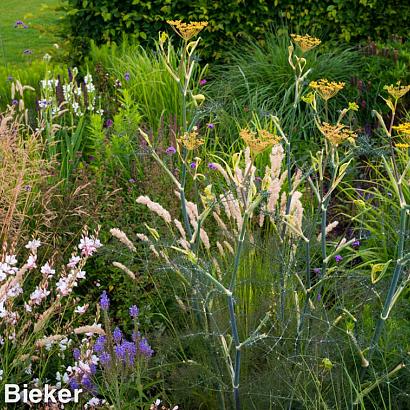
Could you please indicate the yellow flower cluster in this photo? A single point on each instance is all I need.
(259, 141)
(397, 91)
(305, 42)
(326, 89)
(403, 129)
(190, 140)
(400, 145)
(337, 134)
(187, 30)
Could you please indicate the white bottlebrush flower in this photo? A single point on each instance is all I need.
(1, 374)
(155, 207)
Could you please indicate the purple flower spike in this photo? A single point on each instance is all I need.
(117, 335)
(120, 352)
(99, 344)
(76, 354)
(104, 301)
(127, 76)
(105, 358)
(211, 126)
(192, 165)
(145, 348)
(212, 166)
(14, 102)
(109, 123)
(338, 258)
(203, 82)
(171, 150)
(134, 311)
(316, 271)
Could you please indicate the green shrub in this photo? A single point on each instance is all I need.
(108, 20)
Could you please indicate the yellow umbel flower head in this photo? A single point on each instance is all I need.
(403, 129)
(187, 30)
(190, 140)
(397, 91)
(260, 140)
(305, 42)
(337, 134)
(326, 89)
(403, 146)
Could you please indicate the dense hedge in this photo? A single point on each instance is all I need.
(106, 20)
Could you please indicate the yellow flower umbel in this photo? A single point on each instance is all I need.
(397, 91)
(190, 140)
(403, 129)
(326, 89)
(305, 42)
(337, 134)
(187, 30)
(259, 141)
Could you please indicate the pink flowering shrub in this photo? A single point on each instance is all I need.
(40, 315)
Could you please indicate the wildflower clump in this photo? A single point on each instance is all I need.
(326, 89)
(305, 42)
(337, 134)
(187, 30)
(259, 141)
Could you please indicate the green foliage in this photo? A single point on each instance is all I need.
(258, 79)
(108, 20)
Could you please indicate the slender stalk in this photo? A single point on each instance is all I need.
(307, 299)
(393, 284)
(237, 363)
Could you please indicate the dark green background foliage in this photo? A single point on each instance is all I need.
(229, 21)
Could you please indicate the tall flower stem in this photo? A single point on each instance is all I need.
(307, 299)
(393, 285)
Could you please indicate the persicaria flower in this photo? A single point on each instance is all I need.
(104, 301)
